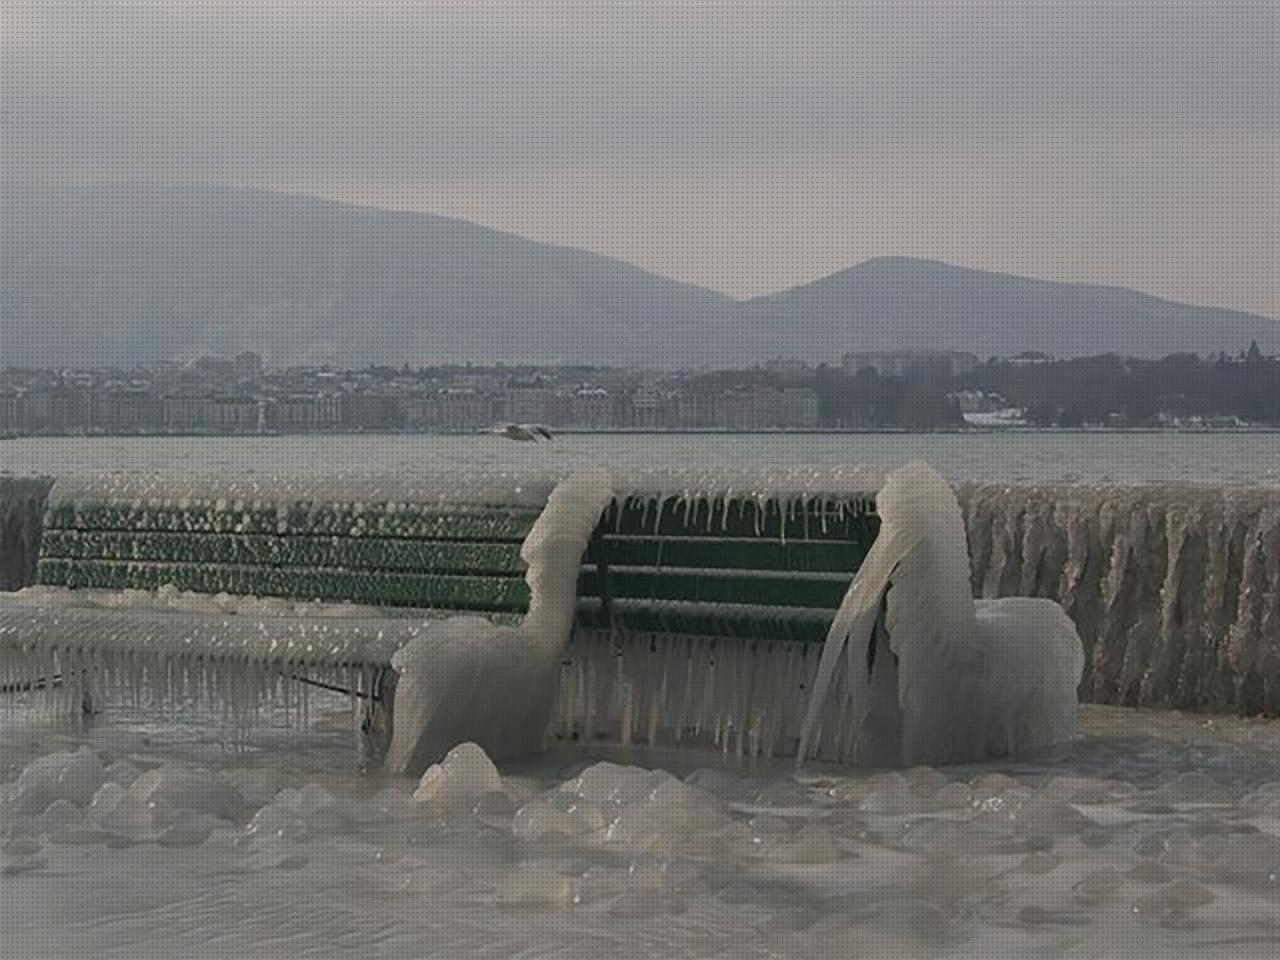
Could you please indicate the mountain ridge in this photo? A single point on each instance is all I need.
(916, 303)
(1004, 275)
(131, 272)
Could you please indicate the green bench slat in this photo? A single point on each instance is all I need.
(709, 620)
(742, 553)
(711, 586)
(700, 519)
(704, 568)
(465, 523)
(368, 553)
(479, 593)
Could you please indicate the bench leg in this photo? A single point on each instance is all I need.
(88, 706)
(376, 719)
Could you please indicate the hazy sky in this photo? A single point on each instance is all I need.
(745, 146)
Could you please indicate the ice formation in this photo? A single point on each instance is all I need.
(1173, 587)
(1154, 835)
(22, 505)
(64, 649)
(741, 697)
(460, 781)
(914, 672)
(240, 493)
(467, 679)
(77, 799)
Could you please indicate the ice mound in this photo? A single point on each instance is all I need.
(560, 815)
(179, 804)
(914, 671)
(612, 783)
(116, 809)
(672, 816)
(624, 808)
(179, 787)
(301, 814)
(73, 777)
(467, 679)
(460, 781)
(1264, 801)
(71, 798)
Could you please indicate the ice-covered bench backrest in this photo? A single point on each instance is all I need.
(774, 568)
(734, 565)
(456, 548)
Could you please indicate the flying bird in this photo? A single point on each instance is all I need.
(524, 431)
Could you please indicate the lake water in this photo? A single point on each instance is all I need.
(1213, 458)
(1153, 834)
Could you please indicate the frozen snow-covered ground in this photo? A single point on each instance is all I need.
(1151, 835)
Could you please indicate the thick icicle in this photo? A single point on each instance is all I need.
(22, 505)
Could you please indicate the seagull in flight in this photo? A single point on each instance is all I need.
(524, 431)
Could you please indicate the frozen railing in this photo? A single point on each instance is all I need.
(1175, 588)
(1172, 587)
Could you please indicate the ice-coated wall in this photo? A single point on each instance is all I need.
(22, 502)
(1175, 589)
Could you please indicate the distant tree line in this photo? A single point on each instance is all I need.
(1111, 389)
(1106, 390)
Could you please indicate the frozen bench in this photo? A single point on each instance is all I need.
(703, 571)
(378, 570)
(728, 568)
(706, 617)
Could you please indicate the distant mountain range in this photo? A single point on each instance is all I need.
(118, 274)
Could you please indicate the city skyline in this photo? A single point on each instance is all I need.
(861, 390)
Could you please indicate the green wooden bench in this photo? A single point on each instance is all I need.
(381, 569)
(724, 568)
(455, 557)
(656, 567)
(742, 591)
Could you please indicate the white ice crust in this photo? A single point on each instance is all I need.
(467, 679)
(913, 671)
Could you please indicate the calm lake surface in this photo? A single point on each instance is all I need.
(1210, 458)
